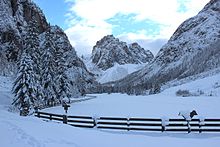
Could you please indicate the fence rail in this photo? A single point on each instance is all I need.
(136, 124)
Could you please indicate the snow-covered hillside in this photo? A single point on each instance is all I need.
(118, 72)
(192, 49)
(33, 132)
(113, 73)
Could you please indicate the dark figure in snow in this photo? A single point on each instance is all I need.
(187, 115)
(65, 106)
(36, 108)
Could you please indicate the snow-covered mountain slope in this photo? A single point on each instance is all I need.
(109, 50)
(194, 48)
(118, 72)
(15, 17)
(114, 73)
(204, 75)
(202, 86)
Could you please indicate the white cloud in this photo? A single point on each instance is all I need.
(93, 14)
(148, 43)
(83, 35)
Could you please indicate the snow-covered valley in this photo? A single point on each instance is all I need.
(33, 132)
(151, 100)
(165, 103)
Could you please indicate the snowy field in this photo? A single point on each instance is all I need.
(159, 105)
(16, 131)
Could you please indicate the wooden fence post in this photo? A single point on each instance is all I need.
(128, 124)
(94, 122)
(64, 119)
(200, 125)
(164, 121)
(50, 117)
(200, 129)
(163, 128)
(189, 127)
(38, 114)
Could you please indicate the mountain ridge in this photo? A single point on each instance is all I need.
(192, 49)
(110, 50)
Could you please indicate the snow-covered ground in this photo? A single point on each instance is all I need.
(159, 105)
(32, 132)
(5, 92)
(16, 131)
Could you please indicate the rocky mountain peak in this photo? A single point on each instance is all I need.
(110, 50)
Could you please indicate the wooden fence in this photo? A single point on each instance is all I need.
(136, 124)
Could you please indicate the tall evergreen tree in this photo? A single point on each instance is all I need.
(49, 69)
(27, 85)
(61, 79)
(24, 90)
(63, 87)
(32, 47)
(32, 42)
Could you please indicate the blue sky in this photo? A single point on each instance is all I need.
(148, 22)
(55, 11)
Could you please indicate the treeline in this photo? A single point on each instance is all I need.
(41, 77)
(139, 89)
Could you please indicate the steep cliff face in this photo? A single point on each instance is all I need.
(109, 51)
(15, 16)
(192, 49)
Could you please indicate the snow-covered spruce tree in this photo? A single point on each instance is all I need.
(61, 79)
(32, 47)
(27, 85)
(64, 58)
(24, 86)
(63, 87)
(48, 70)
